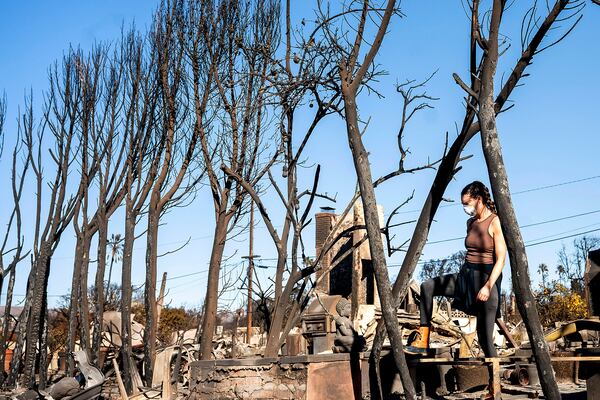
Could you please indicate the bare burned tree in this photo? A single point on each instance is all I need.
(101, 76)
(62, 112)
(351, 73)
(18, 173)
(179, 170)
(294, 297)
(315, 82)
(572, 264)
(240, 39)
(89, 71)
(486, 114)
(310, 83)
(112, 170)
(144, 152)
(532, 44)
(19, 168)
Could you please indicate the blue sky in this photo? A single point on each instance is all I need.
(550, 137)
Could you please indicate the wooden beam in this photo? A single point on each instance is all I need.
(506, 333)
(496, 379)
(486, 360)
(122, 390)
(166, 384)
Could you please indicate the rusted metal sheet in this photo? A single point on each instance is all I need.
(330, 381)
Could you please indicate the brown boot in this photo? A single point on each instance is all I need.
(421, 343)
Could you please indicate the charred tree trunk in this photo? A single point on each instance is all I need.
(16, 364)
(98, 316)
(510, 227)
(150, 290)
(36, 314)
(126, 297)
(212, 287)
(367, 192)
(83, 301)
(78, 318)
(516, 252)
(285, 233)
(74, 301)
(351, 77)
(43, 357)
(275, 330)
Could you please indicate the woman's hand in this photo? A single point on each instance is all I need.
(484, 293)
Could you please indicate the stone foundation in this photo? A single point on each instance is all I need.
(247, 379)
(342, 376)
(301, 377)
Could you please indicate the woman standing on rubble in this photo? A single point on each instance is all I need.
(475, 289)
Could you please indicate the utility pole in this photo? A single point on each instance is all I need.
(250, 258)
(161, 298)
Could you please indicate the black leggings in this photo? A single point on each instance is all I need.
(445, 285)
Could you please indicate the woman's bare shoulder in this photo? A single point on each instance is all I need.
(495, 224)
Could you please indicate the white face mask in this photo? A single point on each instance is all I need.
(470, 210)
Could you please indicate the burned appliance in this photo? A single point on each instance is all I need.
(318, 325)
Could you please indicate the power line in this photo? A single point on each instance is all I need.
(564, 232)
(525, 226)
(561, 238)
(558, 184)
(462, 238)
(203, 271)
(192, 239)
(560, 219)
(193, 281)
(142, 284)
(186, 275)
(527, 244)
(520, 191)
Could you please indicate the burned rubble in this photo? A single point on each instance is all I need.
(334, 338)
(454, 368)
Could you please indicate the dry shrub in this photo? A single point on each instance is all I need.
(558, 303)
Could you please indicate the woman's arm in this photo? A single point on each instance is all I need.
(500, 250)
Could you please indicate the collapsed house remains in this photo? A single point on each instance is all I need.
(453, 369)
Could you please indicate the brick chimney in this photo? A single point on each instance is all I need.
(324, 222)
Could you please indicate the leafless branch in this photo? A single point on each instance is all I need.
(465, 87)
(388, 225)
(176, 250)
